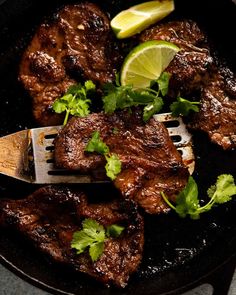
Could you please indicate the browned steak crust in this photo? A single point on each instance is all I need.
(217, 114)
(190, 67)
(193, 68)
(51, 215)
(150, 161)
(77, 43)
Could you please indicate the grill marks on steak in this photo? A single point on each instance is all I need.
(76, 44)
(150, 161)
(193, 68)
(51, 215)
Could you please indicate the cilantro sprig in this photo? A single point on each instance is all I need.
(121, 97)
(92, 236)
(183, 107)
(187, 202)
(113, 165)
(75, 102)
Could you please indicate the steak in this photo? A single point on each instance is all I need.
(51, 215)
(194, 70)
(75, 45)
(217, 115)
(190, 67)
(150, 162)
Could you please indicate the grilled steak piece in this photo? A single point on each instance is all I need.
(51, 215)
(190, 67)
(150, 161)
(217, 114)
(77, 44)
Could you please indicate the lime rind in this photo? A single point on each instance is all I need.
(146, 62)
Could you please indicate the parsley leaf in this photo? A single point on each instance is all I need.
(113, 165)
(97, 145)
(183, 107)
(75, 102)
(93, 236)
(187, 202)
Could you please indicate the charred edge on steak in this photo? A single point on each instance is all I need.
(51, 215)
(77, 44)
(194, 68)
(150, 161)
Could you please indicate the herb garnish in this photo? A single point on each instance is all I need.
(183, 107)
(75, 101)
(120, 97)
(113, 165)
(93, 236)
(187, 202)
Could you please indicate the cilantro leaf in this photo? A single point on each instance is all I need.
(152, 108)
(89, 86)
(59, 107)
(121, 97)
(81, 241)
(117, 75)
(109, 103)
(223, 190)
(97, 145)
(114, 230)
(75, 102)
(96, 250)
(163, 83)
(113, 166)
(183, 107)
(92, 236)
(187, 202)
(93, 229)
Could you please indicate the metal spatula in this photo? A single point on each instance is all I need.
(28, 155)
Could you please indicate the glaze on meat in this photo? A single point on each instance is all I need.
(194, 68)
(150, 162)
(76, 45)
(51, 215)
(191, 65)
(217, 114)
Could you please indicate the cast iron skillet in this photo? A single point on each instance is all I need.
(178, 252)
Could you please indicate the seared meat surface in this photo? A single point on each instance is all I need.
(190, 67)
(51, 215)
(77, 44)
(194, 68)
(150, 161)
(217, 114)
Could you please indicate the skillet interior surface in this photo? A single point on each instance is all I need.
(177, 251)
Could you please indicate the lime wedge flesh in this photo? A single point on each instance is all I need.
(146, 62)
(137, 18)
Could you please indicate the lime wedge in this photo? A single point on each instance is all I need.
(146, 62)
(137, 18)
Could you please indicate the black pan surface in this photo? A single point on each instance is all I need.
(178, 252)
